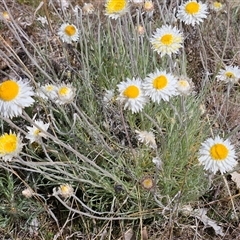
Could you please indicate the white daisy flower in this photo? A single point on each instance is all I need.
(146, 137)
(116, 8)
(34, 133)
(184, 86)
(160, 86)
(65, 93)
(217, 154)
(192, 12)
(10, 146)
(47, 91)
(231, 74)
(68, 33)
(216, 6)
(132, 95)
(166, 40)
(14, 96)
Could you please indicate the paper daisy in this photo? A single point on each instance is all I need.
(184, 86)
(160, 86)
(192, 12)
(217, 154)
(65, 94)
(116, 8)
(14, 96)
(216, 6)
(132, 95)
(166, 40)
(47, 91)
(231, 74)
(34, 133)
(10, 146)
(68, 33)
(146, 137)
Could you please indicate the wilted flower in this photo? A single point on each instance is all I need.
(184, 85)
(158, 162)
(27, 192)
(63, 4)
(108, 96)
(65, 190)
(88, 8)
(47, 91)
(5, 16)
(216, 6)
(140, 30)
(146, 137)
(148, 7)
(147, 183)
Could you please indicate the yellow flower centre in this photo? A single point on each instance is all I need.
(63, 91)
(217, 5)
(148, 6)
(70, 30)
(49, 88)
(160, 82)
(229, 74)
(218, 151)
(115, 6)
(6, 15)
(8, 90)
(131, 92)
(8, 143)
(36, 132)
(183, 83)
(64, 188)
(167, 39)
(192, 8)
